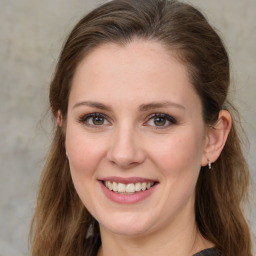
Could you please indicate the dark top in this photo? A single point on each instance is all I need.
(208, 252)
(95, 243)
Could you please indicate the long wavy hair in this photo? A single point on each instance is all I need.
(62, 226)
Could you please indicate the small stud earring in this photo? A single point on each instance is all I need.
(209, 165)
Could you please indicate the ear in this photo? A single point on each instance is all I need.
(216, 137)
(59, 121)
(59, 118)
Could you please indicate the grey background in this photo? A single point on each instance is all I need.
(32, 33)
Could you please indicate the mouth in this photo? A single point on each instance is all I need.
(129, 188)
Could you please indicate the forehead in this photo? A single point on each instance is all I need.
(138, 51)
(114, 72)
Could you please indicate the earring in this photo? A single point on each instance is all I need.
(209, 165)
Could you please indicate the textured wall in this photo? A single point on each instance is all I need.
(32, 33)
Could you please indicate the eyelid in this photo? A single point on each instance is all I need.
(83, 118)
(169, 118)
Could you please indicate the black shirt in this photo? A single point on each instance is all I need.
(207, 252)
(96, 242)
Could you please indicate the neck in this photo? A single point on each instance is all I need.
(182, 241)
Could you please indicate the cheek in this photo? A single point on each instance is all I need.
(179, 161)
(179, 153)
(84, 152)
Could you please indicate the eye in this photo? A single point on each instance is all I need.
(94, 119)
(160, 121)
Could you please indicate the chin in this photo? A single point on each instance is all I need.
(130, 226)
(128, 231)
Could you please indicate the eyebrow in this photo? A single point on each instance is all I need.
(154, 105)
(143, 107)
(93, 104)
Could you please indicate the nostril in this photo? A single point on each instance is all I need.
(125, 157)
(124, 164)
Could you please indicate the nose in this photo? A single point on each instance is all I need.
(126, 150)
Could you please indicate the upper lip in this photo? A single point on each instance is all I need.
(127, 180)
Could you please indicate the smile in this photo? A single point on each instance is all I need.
(129, 188)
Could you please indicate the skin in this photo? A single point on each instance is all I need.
(129, 144)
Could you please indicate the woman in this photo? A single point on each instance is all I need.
(145, 159)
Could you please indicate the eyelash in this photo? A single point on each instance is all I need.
(84, 120)
(166, 117)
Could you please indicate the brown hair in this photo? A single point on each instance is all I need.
(61, 224)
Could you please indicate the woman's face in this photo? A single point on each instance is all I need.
(135, 138)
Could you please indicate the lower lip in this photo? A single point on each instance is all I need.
(127, 198)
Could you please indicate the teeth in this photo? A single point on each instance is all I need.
(149, 185)
(128, 188)
(138, 186)
(114, 186)
(109, 184)
(120, 188)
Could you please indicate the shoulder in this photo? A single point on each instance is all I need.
(208, 252)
